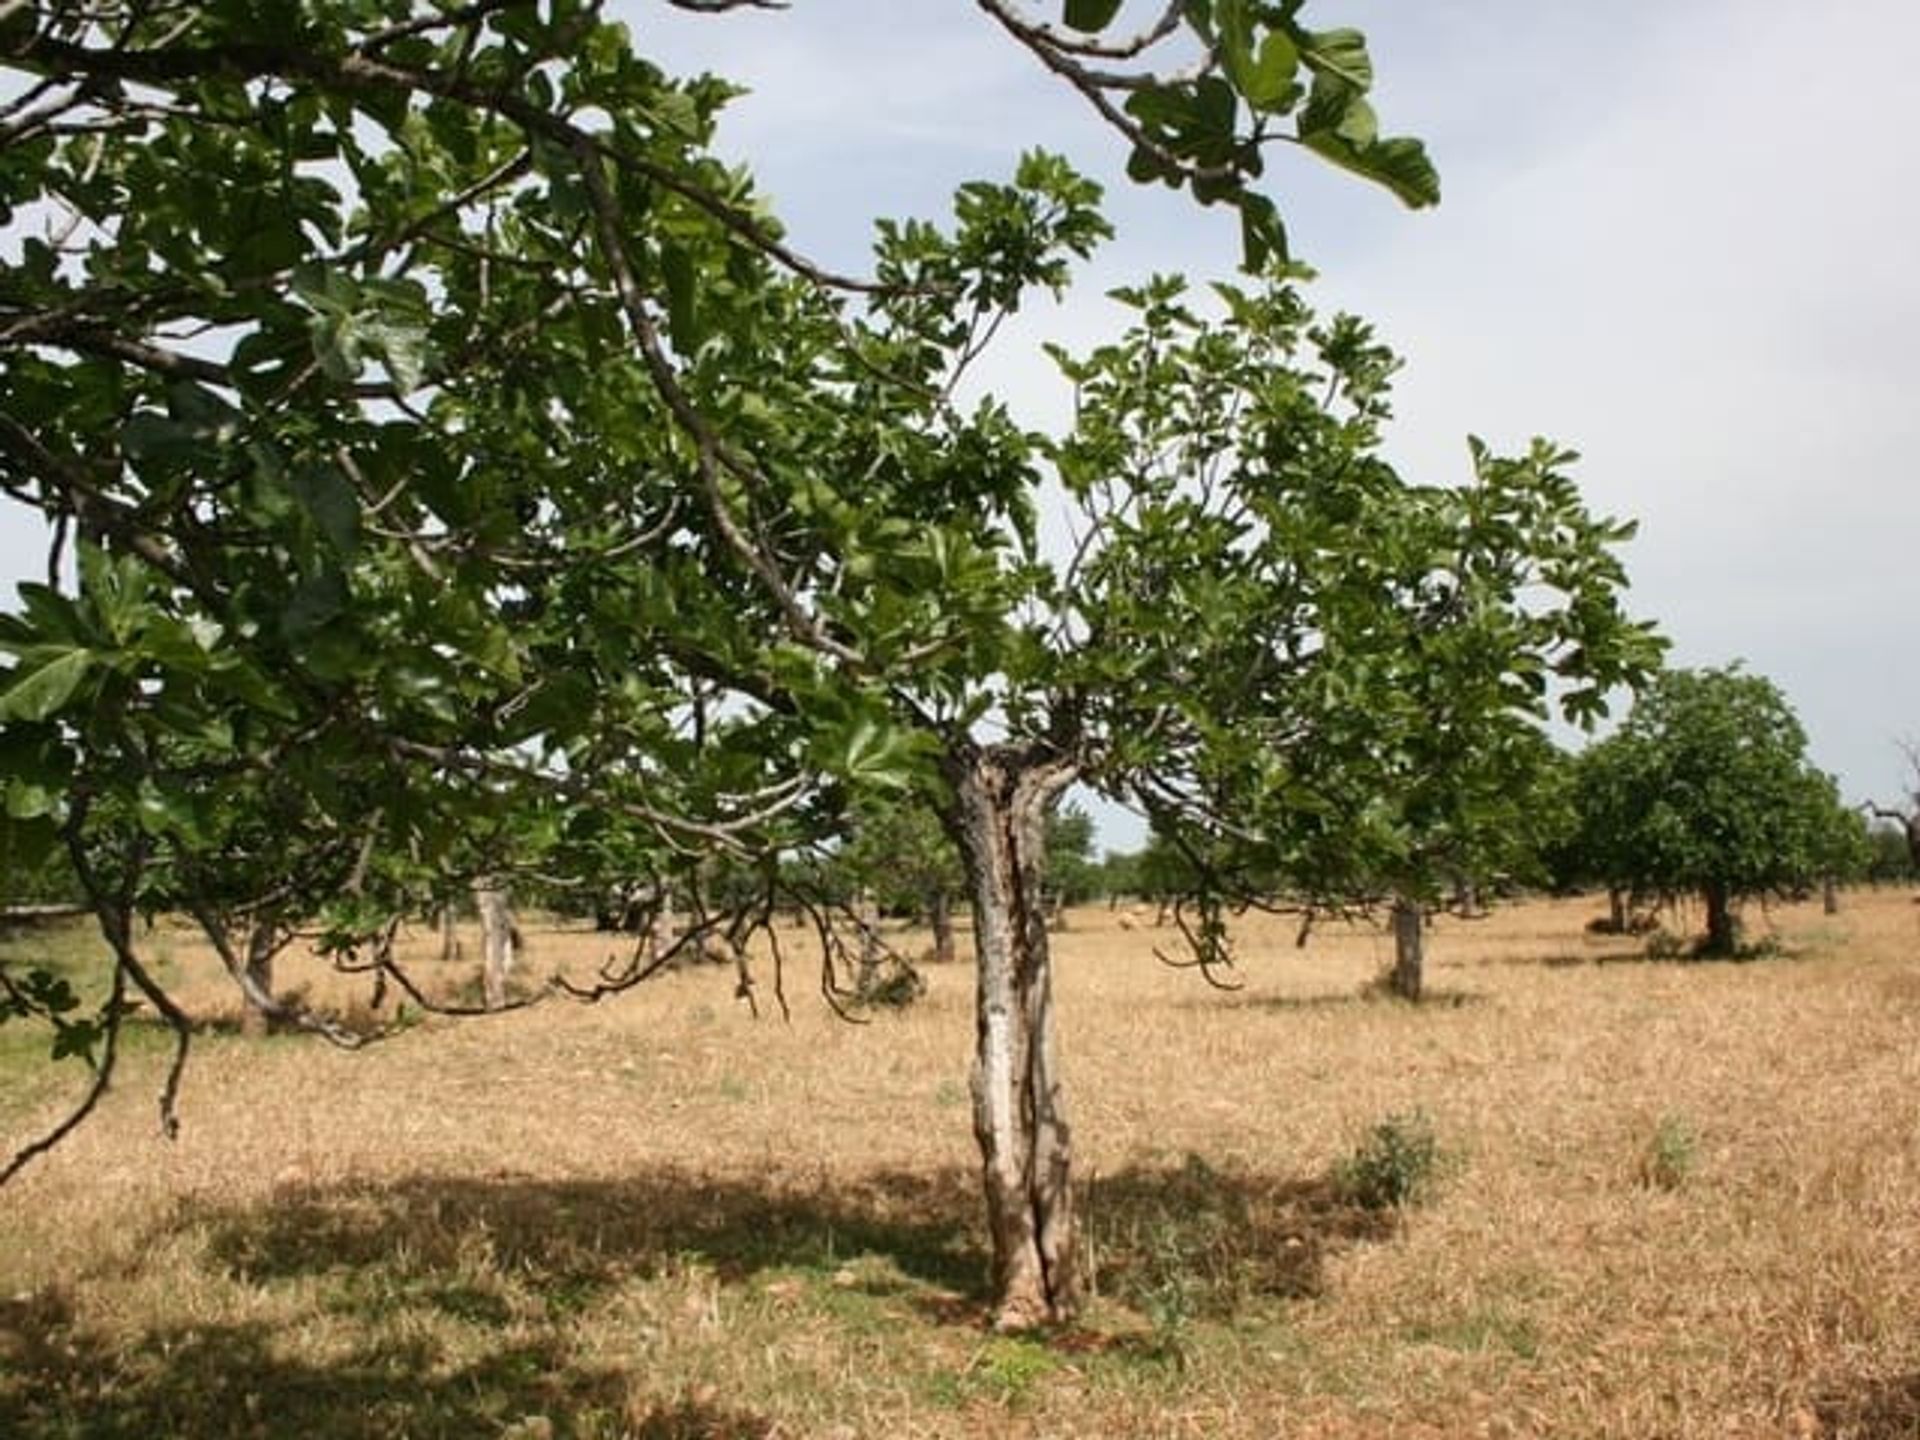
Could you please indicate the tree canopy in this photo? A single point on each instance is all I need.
(450, 466)
(1706, 790)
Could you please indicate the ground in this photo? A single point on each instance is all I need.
(1675, 1199)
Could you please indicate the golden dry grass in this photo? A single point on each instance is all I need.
(660, 1217)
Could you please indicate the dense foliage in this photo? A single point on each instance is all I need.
(1707, 790)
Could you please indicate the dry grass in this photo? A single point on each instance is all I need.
(1683, 1199)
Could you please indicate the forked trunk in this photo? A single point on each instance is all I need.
(1409, 949)
(497, 940)
(1002, 796)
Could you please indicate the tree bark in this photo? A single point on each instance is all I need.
(1002, 796)
(1829, 895)
(497, 940)
(940, 917)
(1617, 910)
(256, 989)
(1722, 933)
(866, 919)
(1409, 949)
(449, 922)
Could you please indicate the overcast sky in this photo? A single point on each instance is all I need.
(1679, 236)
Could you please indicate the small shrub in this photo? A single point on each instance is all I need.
(1396, 1163)
(1663, 944)
(891, 987)
(1671, 1154)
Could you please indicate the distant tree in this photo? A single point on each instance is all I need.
(902, 855)
(1706, 790)
(1907, 816)
(1890, 858)
(1071, 876)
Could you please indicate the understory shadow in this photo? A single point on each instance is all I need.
(1372, 993)
(1876, 1410)
(460, 1306)
(1210, 1243)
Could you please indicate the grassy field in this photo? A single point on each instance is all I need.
(1674, 1200)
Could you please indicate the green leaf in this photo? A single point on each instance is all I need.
(1268, 82)
(683, 319)
(41, 692)
(329, 497)
(1342, 53)
(1090, 17)
(1400, 164)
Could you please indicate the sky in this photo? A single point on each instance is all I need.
(1679, 236)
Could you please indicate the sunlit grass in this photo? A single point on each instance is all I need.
(661, 1217)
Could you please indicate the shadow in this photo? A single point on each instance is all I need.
(1211, 1242)
(236, 1380)
(1877, 1410)
(1371, 993)
(578, 1238)
(458, 1306)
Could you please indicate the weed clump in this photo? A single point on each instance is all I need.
(1671, 1154)
(1394, 1165)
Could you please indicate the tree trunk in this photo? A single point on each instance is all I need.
(1617, 910)
(1830, 896)
(940, 917)
(256, 988)
(1002, 795)
(497, 940)
(449, 921)
(866, 919)
(1722, 933)
(1409, 949)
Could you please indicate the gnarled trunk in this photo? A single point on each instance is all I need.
(1409, 949)
(1002, 795)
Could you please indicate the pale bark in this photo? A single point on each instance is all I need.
(1409, 949)
(256, 986)
(1002, 795)
(449, 922)
(498, 940)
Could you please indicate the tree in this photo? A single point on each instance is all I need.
(900, 852)
(1907, 817)
(1706, 790)
(1072, 877)
(527, 482)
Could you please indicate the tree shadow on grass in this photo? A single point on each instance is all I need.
(459, 1306)
(1212, 1243)
(237, 1380)
(1886, 1409)
(1370, 994)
